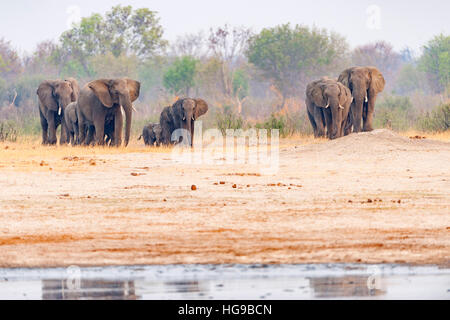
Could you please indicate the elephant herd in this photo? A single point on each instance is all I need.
(95, 114)
(335, 107)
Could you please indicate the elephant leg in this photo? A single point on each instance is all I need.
(82, 127)
(313, 123)
(99, 124)
(348, 125)
(76, 134)
(357, 109)
(90, 136)
(368, 121)
(118, 126)
(166, 136)
(51, 127)
(310, 112)
(65, 138)
(70, 138)
(329, 122)
(44, 125)
(320, 122)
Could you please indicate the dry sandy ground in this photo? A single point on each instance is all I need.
(368, 198)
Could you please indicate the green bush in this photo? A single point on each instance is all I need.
(275, 122)
(227, 119)
(394, 112)
(436, 121)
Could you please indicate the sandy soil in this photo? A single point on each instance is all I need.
(368, 198)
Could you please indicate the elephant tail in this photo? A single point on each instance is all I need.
(140, 138)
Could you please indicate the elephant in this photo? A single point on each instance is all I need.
(109, 130)
(71, 122)
(152, 134)
(365, 83)
(328, 104)
(102, 99)
(54, 96)
(182, 115)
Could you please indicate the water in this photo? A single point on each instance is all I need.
(228, 282)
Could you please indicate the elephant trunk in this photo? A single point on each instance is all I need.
(128, 108)
(336, 118)
(360, 96)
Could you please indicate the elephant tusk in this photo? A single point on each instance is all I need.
(134, 109)
(367, 99)
(59, 111)
(341, 107)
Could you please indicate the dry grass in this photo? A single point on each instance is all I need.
(440, 136)
(29, 147)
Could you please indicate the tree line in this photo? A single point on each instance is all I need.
(248, 78)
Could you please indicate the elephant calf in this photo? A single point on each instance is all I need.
(71, 122)
(328, 105)
(152, 134)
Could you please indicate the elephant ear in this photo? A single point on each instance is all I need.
(201, 108)
(101, 90)
(134, 87)
(176, 111)
(45, 93)
(75, 88)
(316, 95)
(377, 82)
(345, 96)
(344, 78)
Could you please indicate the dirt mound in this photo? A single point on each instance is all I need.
(381, 140)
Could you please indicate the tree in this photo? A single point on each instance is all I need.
(10, 64)
(121, 32)
(381, 55)
(240, 88)
(44, 60)
(193, 45)
(290, 57)
(435, 61)
(410, 79)
(228, 45)
(179, 78)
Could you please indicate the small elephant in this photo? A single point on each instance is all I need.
(104, 98)
(152, 134)
(71, 122)
(182, 115)
(109, 130)
(54, 96)
(328, 104)
(365, 83)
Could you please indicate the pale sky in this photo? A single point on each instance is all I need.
(401, 22)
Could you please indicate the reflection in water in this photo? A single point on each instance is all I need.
(341, 287)
(229, 282)
(88, 290)
(184, 287)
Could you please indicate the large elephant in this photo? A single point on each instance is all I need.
(365, 83)
(102, 99)
(182, 115)
(54, 96)
(328, 104)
